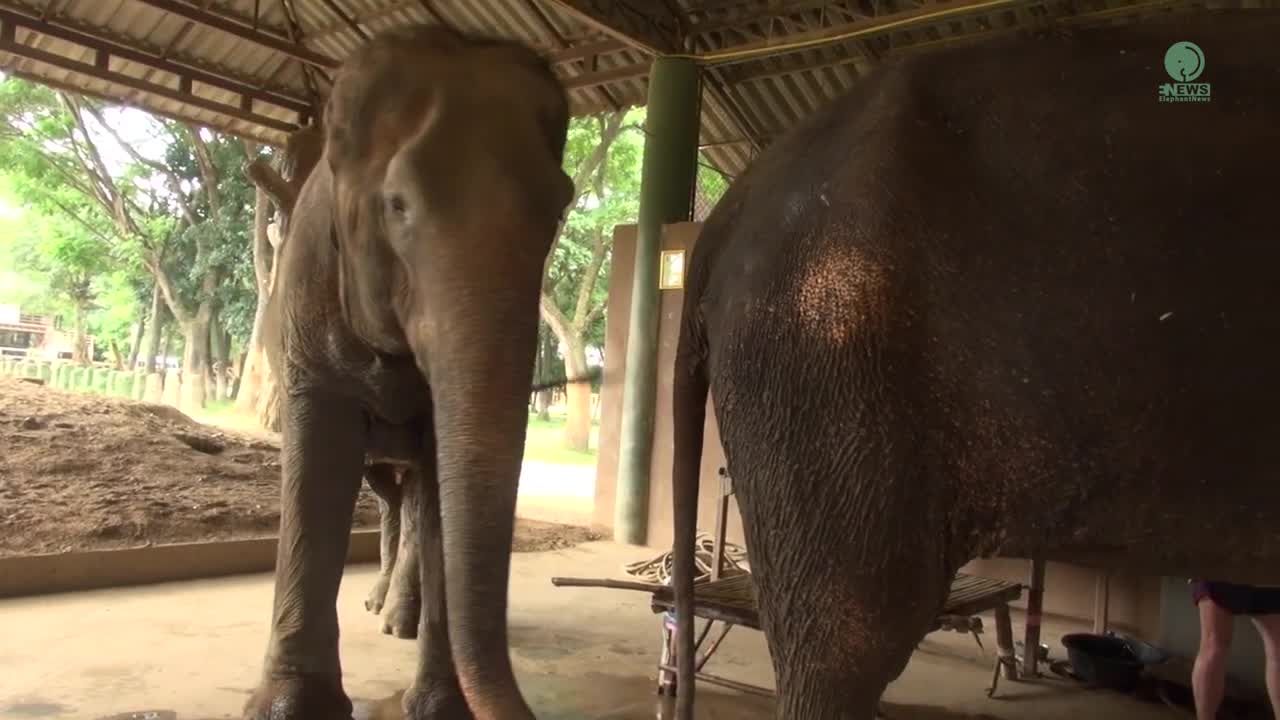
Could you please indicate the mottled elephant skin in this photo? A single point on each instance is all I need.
(997, 300)
(403, 327)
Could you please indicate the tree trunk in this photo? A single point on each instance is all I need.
(135, 344)
(80, 354)
(195, 356)
(269, 407)
(545, 352)
(254, 370)
(168, 348)
(157, 327)
(239, 375)
(577, 429)
(218, 355)
(117, 358)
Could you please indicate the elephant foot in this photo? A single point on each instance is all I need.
(400, 617)
(436, 704)
(378, 595)
(307, 697)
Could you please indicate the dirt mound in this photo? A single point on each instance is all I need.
(81, 472)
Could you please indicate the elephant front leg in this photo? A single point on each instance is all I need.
(403, 611)
(435, 694)
(382, 481)
(322, 459)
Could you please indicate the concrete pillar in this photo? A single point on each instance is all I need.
(668, 176)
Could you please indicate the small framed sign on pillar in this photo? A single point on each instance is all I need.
(671, 271)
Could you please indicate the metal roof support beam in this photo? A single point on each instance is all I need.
(737, 16)
(564, 45)
(98, 69)
(590, 48)
(858, 29)
(345, 18)
(651, 31)
(244, 30)
(106, 47)
(604, 77)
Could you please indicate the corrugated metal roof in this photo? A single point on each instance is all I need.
(154, 54)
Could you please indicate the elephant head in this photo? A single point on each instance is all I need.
(446, 202)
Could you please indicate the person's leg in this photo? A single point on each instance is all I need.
(1208, 676)
(1269, 628)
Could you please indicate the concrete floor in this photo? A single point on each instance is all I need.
(194, 649)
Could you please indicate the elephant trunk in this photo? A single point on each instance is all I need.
(479, 368)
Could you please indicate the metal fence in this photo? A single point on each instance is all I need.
(711, 186)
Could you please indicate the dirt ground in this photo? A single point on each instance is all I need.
(84, 472)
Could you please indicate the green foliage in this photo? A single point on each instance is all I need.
(102, 193)
(602, 206)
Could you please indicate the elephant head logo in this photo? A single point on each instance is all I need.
(1184, 61)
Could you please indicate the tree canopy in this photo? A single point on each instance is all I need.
(133, 229)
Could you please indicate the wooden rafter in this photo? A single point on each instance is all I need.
(100, 68)
(243, 29)
(105, 48)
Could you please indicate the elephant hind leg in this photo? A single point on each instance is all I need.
(839, 640)
(845, 594)
(403, 611)
(382, 481)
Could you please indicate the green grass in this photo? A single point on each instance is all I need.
(217, 407)
(544, 442)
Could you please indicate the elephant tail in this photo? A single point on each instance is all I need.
(689, 405)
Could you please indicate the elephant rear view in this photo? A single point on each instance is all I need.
(1006, 300)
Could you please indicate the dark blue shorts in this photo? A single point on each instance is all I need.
(1237, 599)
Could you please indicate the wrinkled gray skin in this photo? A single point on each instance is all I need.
(396, 500)
(392, 480)
(1015, 306)
(404, 325)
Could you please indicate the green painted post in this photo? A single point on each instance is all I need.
(139, 384)
(668, 175)
(124, 384)
(102, 381)
(46, 372)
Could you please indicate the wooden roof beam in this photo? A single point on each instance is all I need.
(220, 124)
(243, 29)
(99, 44)
(100, 70)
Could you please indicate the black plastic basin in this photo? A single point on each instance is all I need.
(1103, 660)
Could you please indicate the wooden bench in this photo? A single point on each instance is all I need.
(727, 597)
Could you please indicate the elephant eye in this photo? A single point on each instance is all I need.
(395, 204)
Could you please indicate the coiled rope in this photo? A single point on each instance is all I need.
(659, 569)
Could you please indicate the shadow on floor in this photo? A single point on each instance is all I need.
(711, 706)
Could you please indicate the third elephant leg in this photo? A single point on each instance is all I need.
(403, 610)
(383, 482)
